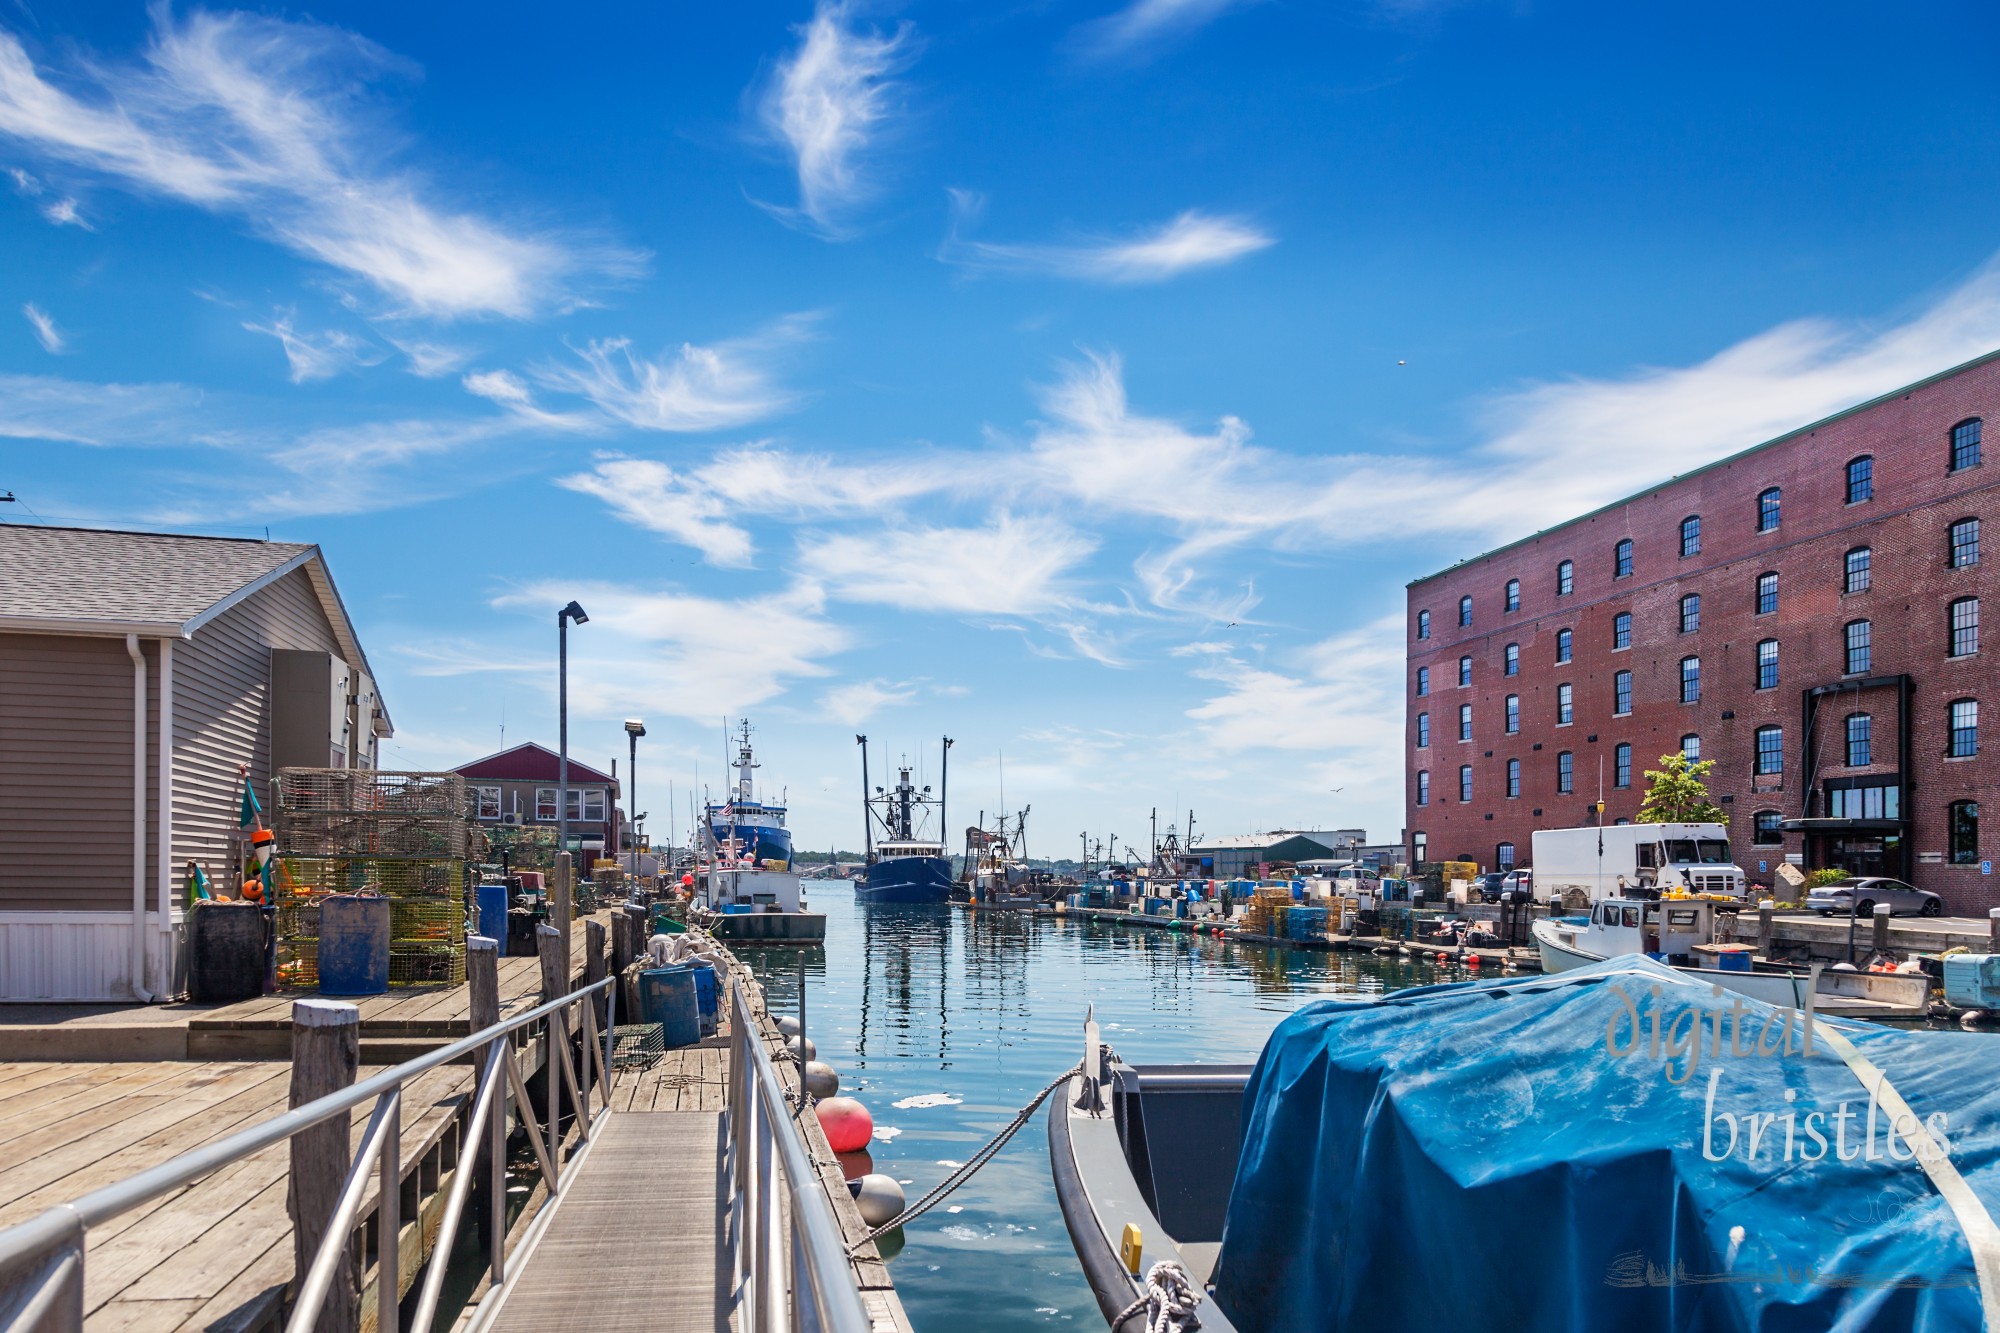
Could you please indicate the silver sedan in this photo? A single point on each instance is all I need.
(1859, 894)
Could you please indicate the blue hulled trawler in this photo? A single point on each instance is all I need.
(907, 864)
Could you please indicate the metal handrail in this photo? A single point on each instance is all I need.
(821, 1292)
(56, 1237)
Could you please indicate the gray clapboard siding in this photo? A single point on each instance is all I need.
(222, 714)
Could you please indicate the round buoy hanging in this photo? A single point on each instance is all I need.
(846, 1123)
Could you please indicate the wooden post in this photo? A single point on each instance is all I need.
(489, 1192)
(552, 947)
(1993, 930)
(1765, 910)
(593, 966)
(326, 1053)
(562, 895)
(621, 942)
(1881, 928)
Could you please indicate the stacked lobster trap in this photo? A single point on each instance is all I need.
(406, 836)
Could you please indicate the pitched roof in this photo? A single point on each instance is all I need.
(533, 763)
(154, 584)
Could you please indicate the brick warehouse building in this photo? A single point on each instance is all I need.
(1805, 613)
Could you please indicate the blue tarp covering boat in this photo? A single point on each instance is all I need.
(1567, 1153)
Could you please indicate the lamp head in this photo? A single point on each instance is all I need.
(573, 612)
(634, 728)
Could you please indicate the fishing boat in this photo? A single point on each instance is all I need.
(1679, 931)
(998, 874)
(904, 865)
(748, 890)
(1563, 1153)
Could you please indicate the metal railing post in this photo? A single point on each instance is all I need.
(498, 1050)
(389, 1220)
(554, 1038)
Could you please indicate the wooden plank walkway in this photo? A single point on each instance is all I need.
(217, 1253)
(636, 1242)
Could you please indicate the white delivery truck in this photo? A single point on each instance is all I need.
(1629, 857)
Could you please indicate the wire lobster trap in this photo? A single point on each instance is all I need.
(372, 791)
(638, 1045)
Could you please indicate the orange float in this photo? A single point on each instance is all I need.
(846, 1123)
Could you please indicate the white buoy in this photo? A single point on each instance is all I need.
(878, 1196)
(810, 1051)
(821, 1080)
(789, 1026)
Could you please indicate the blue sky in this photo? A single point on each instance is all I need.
(1083, 380)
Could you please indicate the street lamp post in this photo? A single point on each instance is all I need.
(635, 729)
(563, 617)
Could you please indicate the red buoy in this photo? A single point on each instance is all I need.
(846, 1122)
(1473, 961)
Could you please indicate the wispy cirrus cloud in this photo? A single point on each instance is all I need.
(1144, 25)
(256, 118)
(1192, 240)
(317, 356)
(855, 702)
(1007, 567)
(46, 332)
(828, 104)
(47, 407)
(691, 389)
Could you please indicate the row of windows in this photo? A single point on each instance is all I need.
(1961, 550)
(1962, 640)
(1767, 761)
(586, 804)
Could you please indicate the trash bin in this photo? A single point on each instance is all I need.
(667, 996)
(494, 900)
(225, 952)
(353, 944)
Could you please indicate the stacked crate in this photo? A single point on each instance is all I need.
(406, 836)
(1267, 910)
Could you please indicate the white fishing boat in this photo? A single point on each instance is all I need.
(1681, 932)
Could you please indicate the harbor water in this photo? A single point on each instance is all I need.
(944, 1022)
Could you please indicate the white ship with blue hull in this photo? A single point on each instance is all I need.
(743, 831)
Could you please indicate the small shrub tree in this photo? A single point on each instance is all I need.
(1679, 793)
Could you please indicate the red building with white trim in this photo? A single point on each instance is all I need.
(1806, 613)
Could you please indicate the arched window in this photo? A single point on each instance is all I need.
(1964, 543)
(1513, 714)
(1855, 575)
(1465, 671)
(1964, 729)
(1767, 828)
(1691, 748)
(1503, 856)
(1770, 751)
(1511, 660)
(1860, 479)
(1465, 610)
(1859, 653)
(1965, 444)
(1563, 641)
(1767, 664)
(1690, 536)
(1423, 730)
(1423, 681)
(1565, 705)
(1690, 680)
(1691, 613)
(1513, 778)
(1565, 772)
(1513, 595)
(1860, 740)
(1621, 693)
(1465, 722)
(1962, 821)
(1565, 579)
(1621, 630)
(1767, 593)
(1423, 624)
(1621, 766)
(1621, 559)
(1965, 627)
(1465, 784)
(1767, 510)
(1423, 786)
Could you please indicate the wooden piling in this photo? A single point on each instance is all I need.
(1766, 910)
(621, 942)
(326, 1054)
(1881, 943)
(1993, 929)
(562, 894)
(552, 947)
(593, 964)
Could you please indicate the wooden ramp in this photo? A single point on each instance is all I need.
(635, 1242)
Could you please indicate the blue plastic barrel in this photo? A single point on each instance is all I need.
(493, 901)
(667, 996)
(707, 998)
(353, 945)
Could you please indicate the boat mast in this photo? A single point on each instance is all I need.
(867, 810)
(944, 786)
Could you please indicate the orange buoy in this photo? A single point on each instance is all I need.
(1444, 957)
(847, 1124)
(1473, 961)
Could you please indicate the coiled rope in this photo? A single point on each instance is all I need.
(1168, 1302)
(972, 1164)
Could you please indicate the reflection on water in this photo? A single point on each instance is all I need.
(909, 1002)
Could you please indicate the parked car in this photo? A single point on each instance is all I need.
(1520, 883)
(1860, 893)
(1490, 886)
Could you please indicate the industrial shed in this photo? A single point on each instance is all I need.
(137, 672)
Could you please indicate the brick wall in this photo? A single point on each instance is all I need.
(1905, 526)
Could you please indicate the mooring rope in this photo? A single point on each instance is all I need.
(972, 1164)
(1168, 1302)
